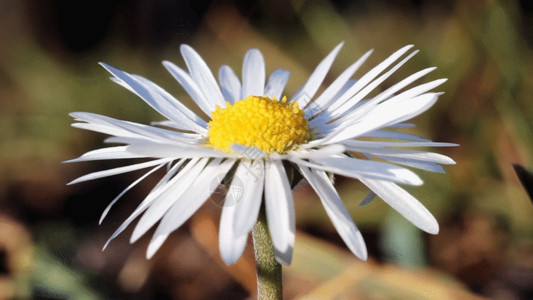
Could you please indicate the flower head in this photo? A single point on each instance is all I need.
(250, 138)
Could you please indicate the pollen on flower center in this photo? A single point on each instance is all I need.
(268, 124)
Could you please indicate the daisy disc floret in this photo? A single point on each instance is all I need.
(267, 124)
(248, 137)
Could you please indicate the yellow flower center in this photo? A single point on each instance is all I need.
(261, 122)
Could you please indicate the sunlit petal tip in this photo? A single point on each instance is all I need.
(228, 258)
(430, 225)
(231, 252)
(73, 181)
(416, 181)
(254, 51)
(109, 68)
(363, 255)
(446, 160)
(284, 257)
(74, 114)
(154, 245)
(187, 48)
(279, 206)
(168, 64)
(231, 244)
(107, 244)
(339, 46)
(68, 161)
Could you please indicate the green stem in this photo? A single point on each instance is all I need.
(268, 269)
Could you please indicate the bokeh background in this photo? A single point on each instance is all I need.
(50, 241)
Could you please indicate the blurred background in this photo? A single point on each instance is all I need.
(50, 241)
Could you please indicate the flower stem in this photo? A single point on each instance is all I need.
(268, 269)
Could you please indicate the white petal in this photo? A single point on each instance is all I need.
(423, 165)
(375, 144)
(253, 74)
(368, 77)
(119, 134)
(359, 168)
(180, 142)
(334, 88)
(120, 170)
(407, 154)
(105, 129)
(411, 93)
(172, 150)
(384, 115)
(151, 96)
(418, 90)
(395, 135)
(189, 202)
(404, 203)
(252, 177)
(162, 186)
(276, 83)
(171, 171)
(192, 88)
(319, 120)
(165, 123)
(308, 90)
(117, 127)
(184, 140)
(229, 84)
(404, 82)
(164, 201)
(336, 211)
(191, 116)
(119, 152)
(202, 76)
(108, 208)
(280, 211)
(232, 243)
(360, 95)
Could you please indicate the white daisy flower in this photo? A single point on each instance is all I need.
(254, 140)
